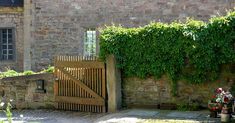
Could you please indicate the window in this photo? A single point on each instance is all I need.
(90, 43)
(6, 44)
(11, 3)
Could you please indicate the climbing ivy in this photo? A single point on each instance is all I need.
(193, 50)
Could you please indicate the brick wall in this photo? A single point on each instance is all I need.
(13, 18)
(22, 90)
(58, 25)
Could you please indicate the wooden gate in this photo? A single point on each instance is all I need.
(80, 84)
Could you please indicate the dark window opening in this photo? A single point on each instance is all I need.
(6, 44)
(12, 3)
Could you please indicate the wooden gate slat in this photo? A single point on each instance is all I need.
(80, 83)
(56, 86)
(82, 64)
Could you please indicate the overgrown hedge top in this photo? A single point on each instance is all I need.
(193, 50)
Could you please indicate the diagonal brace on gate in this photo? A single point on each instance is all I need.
(78, 82)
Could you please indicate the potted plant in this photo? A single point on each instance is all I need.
(214, 108)
(219, 101)
(226, 100)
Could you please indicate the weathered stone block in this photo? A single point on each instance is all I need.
(11, 17)
(160, 92)
(24, 95)
(62, 24)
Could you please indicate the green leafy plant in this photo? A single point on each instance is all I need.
(29, 72)
(7, 111)
(193, 50)
(50, 69)
(187, 107)
(9, 73)
(12, 73)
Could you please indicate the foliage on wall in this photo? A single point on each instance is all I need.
(194, 50)
(12, 73)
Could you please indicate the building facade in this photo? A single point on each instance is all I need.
(33, 32)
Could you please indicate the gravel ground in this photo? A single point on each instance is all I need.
(125, 116)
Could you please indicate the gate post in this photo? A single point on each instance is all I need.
(113, 84)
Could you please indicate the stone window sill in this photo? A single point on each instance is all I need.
(2, 62)
(11, 9)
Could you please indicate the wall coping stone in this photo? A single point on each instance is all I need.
(26, 77)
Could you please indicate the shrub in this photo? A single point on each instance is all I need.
(193, 50)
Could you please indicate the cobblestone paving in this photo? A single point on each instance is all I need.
(125, 116)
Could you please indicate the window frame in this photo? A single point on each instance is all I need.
(94, 42)
(13, 44)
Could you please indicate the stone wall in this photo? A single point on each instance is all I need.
(58, 26)
(13, 18)
(152, 92)
(47, 28)
(22, 90)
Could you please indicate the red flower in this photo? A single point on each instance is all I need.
(213, 108)
(226, 99)
(219, 90)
